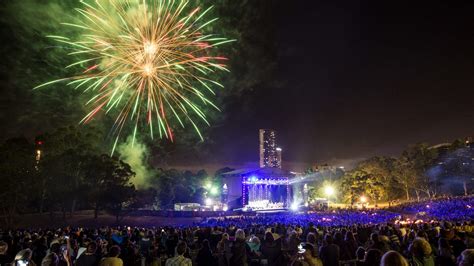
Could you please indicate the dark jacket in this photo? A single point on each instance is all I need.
(329, 255)
(271, 251)
(239, 253)
(87, 260)
(204, 257)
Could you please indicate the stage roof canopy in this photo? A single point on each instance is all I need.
(261, 172)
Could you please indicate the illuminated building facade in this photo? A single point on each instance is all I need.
(270, 154)
(278, 164)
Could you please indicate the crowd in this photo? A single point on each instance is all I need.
(329, 238)
(448, 208)
(324, 218)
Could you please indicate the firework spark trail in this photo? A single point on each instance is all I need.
(147, 60)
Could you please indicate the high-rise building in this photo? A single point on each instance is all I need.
(279, 150)
(270, 154)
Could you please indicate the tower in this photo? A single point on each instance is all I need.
(278, 161)
(270, 155)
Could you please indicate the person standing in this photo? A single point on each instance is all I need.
(329, 252)
(179, 259)
(4, 257)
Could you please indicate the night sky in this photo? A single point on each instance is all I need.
(354, 81)
(347, 81)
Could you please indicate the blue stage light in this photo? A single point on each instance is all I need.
(253, 179)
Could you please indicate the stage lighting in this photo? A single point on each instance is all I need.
(294, 206)
(225, 208)
(208, 201)
(329, 191)
(214, 191)
(253, 179)
(363, 199)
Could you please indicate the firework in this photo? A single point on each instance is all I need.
(148, 62)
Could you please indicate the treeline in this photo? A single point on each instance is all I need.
(67, 170)
(421, 171)
(62, 171)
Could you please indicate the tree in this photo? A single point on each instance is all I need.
(63, 182)
(382, 169)
(459, 166)
(174, 186)
(144, 198)
(18, 171)
(404, 176)
(371, 177)
(164, 182)
(118, 196)
(418, 159)
(357, 183)
(62, 165)
(108, 183)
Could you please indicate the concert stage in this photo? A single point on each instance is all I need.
(259, 189)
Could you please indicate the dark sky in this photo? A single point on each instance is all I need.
(357, 80)
(350, 80)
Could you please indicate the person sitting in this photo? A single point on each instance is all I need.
(5, 258)
(466, 258)
(223, 250)
(112, 259)
(393, 258)
(445, 254)
(24, 256)
(329, 252)
(271, 250)
(420, 251)
(308, 256)
(58, 255)
(375, 242)
(238, 249)
(204, 255)
(349, 247)
(373, 257)
(292, 242)
(360, 254)
(312, 240)
(89, 257)
(179, 259)
(253, 250)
